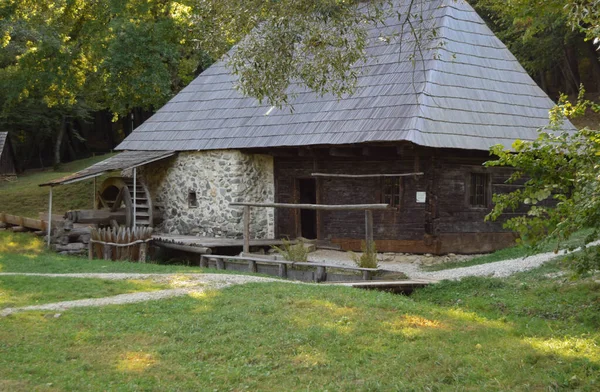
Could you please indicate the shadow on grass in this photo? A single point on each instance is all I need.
(277, 336)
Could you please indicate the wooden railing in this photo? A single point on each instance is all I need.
(25, 223)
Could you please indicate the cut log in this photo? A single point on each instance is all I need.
(18, 229)
(103, 216)
(75, 246)
(185, 248)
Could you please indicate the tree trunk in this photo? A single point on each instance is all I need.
(571, 71)
(593, 55)
(543, 84)
(59, 139)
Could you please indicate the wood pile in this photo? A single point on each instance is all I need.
(70, 239)
(120, 243)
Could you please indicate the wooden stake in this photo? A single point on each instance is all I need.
(143, 249)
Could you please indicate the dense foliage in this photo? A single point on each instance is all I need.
(64, 59)
(562, 186)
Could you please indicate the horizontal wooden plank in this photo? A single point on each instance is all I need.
(329, 207)
(365, 175)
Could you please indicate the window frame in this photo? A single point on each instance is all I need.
(396, 198)
(487, 189)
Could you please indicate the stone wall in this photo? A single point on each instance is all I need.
(217, 178)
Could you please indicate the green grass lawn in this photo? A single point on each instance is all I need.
(25, 198)
(534, 331)
(16, 291)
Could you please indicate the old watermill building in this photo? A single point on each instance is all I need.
(414, 136)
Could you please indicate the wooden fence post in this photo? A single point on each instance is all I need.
(203, 261)
(283, 270)
(321, 275)
(106, 252)
(91, 250)
(143, 250)
(252, 266)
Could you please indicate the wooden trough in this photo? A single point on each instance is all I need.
(309, 271)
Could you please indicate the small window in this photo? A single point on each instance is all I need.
(479, 190)
(192, 199)
(392, 191)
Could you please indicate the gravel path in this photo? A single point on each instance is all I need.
(185, 284)
(411, 265)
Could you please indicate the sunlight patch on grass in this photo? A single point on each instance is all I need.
(567, 347)
(136, 362)
(198, 294)
(407, 324)
(471, 317)
(338, 317)
(309, 357)
(11, 243)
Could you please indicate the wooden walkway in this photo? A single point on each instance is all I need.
(212, 242)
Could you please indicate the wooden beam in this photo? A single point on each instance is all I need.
(343, 152)
(366, 175)
(185, 248)
(369, 229)
(246, 229)
(326, 207)
(49, 228)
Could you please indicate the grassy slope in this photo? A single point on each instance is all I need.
(514, 252)
(534, 331)
(26, 253)
(24, 197)
(18, 291)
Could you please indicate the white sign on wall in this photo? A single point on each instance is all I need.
(421, 197)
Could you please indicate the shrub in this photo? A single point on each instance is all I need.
(368, 258)
(293, 252)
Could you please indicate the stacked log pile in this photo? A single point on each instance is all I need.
(71, 239)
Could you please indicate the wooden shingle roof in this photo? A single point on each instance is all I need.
(3, 137)
(469, 93)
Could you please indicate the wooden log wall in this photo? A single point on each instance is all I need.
(444, 223)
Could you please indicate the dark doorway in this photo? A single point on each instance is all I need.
(308, 218)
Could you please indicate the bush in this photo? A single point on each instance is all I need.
(368, 258)
(293, 252)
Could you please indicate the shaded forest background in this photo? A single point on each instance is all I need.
(76, 76)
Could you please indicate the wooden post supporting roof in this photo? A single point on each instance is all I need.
(369, 229)
(246, 229)
(50, 216)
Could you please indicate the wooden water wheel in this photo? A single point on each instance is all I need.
(117, 193)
